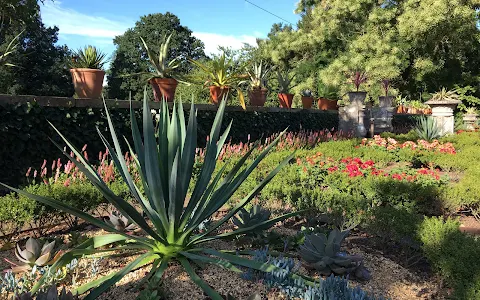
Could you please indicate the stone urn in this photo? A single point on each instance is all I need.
(357, 98)
(385, 101)
(469, 121)
(442, 112)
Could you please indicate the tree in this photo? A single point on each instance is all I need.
(41, 67)
(130, 57)
(420, 45)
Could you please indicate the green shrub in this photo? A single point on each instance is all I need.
(454, 254)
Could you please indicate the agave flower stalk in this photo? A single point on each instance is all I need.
(165, 157)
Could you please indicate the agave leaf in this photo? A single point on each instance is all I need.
(147, 257)
(205, 287)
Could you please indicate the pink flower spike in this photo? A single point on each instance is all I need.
(84, 147)
(44, 164)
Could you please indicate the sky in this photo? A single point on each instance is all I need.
(216, 22)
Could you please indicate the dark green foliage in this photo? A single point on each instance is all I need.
(25, 131)
(41, 65)
(403, 123)
(454, 254)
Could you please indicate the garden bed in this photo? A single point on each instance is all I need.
(395, 194)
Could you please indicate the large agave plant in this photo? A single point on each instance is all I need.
(427, 128)
(323, 254)
(162, 66)
(35, 253)
(165, 157)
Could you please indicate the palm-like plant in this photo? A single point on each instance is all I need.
(88, 58)
(220, 73)
(427, 128)
(8, 51)
(162, 66)
(165, 158)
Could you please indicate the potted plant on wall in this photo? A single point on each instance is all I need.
(386, 100)
(357, 97)
(221, 78)
(258, 84)
(163, 74)
(285, 84)
(87, 72)
(401, 103)
(307, 99)
(327, 96)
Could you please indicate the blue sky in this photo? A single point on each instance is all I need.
(215, 22)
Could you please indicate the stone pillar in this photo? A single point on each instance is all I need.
(383, 115)
(351, 118)
(442, 112)
(469, 121)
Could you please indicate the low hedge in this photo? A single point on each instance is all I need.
(454, 254)
(25, 132)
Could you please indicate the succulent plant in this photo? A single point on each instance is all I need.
(121, 223)
(51, 294)
(36, 253)
(252, 217)
(323, 254)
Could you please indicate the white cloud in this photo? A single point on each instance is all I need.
(71, 22)
(75, 26)
(213, 40)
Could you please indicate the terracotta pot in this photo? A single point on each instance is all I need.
(286, 100)
(307, 102)
(217, 93)
(332, 105)
(258, 97)
(324, 104)
(88, 83)
(163, 88)
(357, 98)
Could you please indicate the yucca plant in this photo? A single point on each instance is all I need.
(165, 158)
(258, 74)
(88, 58)
(427, 128)
(161, 65)
(219, 73)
